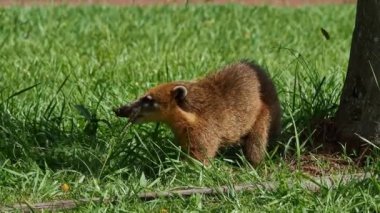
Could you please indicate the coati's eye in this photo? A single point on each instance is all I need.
(146, 99)
(148, 102)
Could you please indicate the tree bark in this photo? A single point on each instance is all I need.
(358, 115)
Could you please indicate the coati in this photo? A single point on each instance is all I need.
(237, 104)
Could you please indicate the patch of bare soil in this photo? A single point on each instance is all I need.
(330, 153)
(324, 164)
(150, 2)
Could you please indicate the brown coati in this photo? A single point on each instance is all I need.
(237, 104)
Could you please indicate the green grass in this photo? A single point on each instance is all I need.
(62, 70)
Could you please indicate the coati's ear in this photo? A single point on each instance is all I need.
(179, 92)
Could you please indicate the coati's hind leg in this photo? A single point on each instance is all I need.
(255, 142)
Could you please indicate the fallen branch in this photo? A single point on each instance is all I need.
(312, 184)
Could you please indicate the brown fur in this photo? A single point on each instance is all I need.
(237, 104)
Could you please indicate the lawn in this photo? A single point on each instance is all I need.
(63, 69)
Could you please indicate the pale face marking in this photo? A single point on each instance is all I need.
(146, 105)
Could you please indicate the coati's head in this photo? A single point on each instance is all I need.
(157, 104)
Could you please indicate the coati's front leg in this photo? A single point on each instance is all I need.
(255, 142)
(201, 146)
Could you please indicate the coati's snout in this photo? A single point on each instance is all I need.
(138, 110)
(128, 110)
(154, 106)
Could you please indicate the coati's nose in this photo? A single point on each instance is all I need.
(116, 111)
(123, 111)
(129, 110)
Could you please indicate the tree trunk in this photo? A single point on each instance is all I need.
(358, 115)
